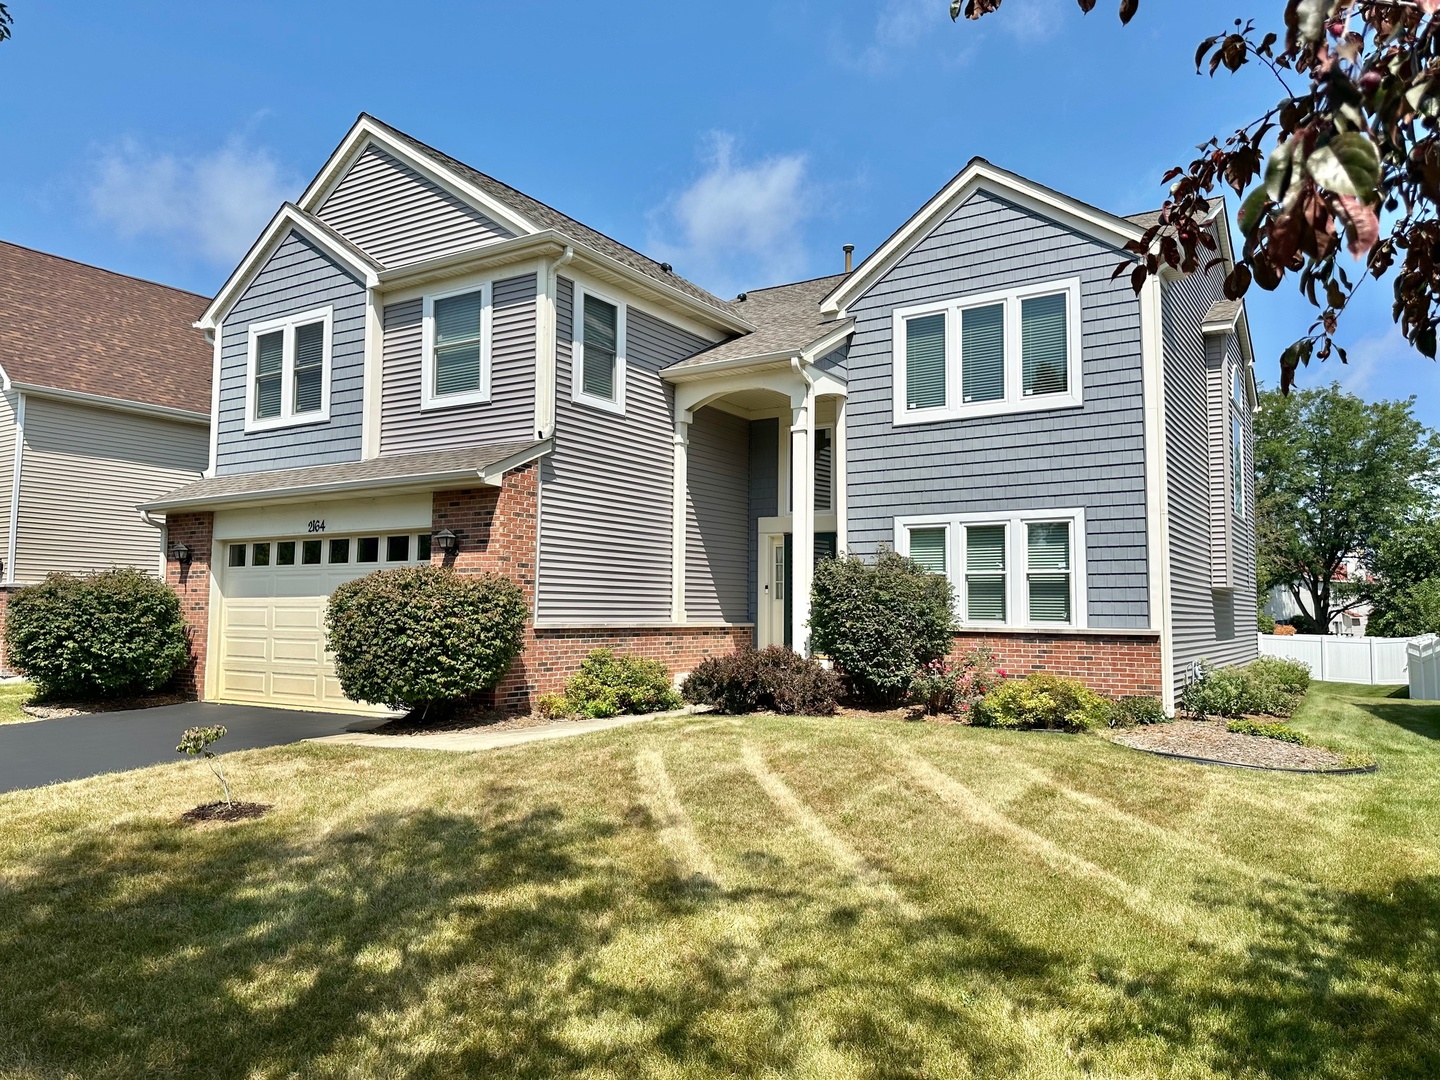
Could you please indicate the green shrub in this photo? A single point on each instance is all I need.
(1269, 686)
(1280, 732)
(610, 685)
(1044, 701)
(776, 679)
(880, 622)
(110, 634)
(424, 635)
(1288, 676)
(1216, 692)
(1137, 710)
(943, 686)
(1264, 623)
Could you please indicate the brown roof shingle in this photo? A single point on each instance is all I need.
(70, 326)
(786, 319)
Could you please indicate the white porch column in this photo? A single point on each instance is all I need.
(679, 517)
(842, 496)
(802, 516)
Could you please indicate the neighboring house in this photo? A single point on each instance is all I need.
(1282, 605)
(106, 404)
(417, 363)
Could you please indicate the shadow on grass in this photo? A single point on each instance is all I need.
(438, 943)
(1420, 718)
(1342, 984)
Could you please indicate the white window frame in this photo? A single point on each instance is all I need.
(1014, 400)
(428, 398)
(577, 350)
(1017, 567)
(288, 417)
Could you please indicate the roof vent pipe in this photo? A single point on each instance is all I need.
(849, 250)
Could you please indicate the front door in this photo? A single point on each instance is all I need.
(776, 581)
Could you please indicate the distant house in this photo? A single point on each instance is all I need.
(1282, 606)
(419, 364)
(106, 404)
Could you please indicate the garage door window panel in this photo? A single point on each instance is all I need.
(310, 552)
(340, 549)
(285, 553)
(260, 555)
(397, 548)
(237, 555)
(367, 549)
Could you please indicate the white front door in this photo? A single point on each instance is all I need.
(774, 592)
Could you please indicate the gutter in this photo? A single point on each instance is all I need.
(102, 401)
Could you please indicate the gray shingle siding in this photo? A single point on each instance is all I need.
(297, 277)
(1206, 624)
(397, 216)
(1093, 457)
(606, 500)
(716, 552)
(833, 363)
(510, 412)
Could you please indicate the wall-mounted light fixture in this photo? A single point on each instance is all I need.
(181, 553)
(446, 541)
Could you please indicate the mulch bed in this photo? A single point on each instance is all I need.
(463, 720)
(1208, 739)
(55, 710)
(221, 811)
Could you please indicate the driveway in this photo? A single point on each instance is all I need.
(46, 751)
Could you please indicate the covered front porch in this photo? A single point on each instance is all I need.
(759, 495)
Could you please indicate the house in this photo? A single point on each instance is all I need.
(105, 404)
(417, 363)
(1287, 605)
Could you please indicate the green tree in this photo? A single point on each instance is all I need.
(1335, 476)
(1354, 133)
(1405, 592)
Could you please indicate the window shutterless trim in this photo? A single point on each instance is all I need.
(1017, 567)
(1014, 400)
(577, 350)
(288, 416)
(429, 399)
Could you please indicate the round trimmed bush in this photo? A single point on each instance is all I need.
(106, 635)
(1045, 701)
(424, 635)
(880, 622)
(752, 679)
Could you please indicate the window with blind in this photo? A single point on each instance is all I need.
(1047, 571)
(927, 547)
(1011, 351)
(289, 371)
(1237, 465)
(455, 366)
(598, 372)
(985, 579)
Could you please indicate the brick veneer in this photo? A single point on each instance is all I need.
(497, 531)
(1115, 664)
(192, 582)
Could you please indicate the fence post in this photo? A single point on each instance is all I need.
(1374, 672)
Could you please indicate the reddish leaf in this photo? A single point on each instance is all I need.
(1127, 9)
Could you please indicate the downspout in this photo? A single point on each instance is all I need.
(547, 347)
(154, 524)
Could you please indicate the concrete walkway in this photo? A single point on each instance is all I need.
(467, 741)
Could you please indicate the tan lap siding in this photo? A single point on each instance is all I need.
(7, 477)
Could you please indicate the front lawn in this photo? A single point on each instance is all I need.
(708, 897)
(12, 696)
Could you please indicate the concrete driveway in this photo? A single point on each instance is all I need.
(47, 751)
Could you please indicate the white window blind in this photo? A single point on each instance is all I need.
(269, 374)
(309, 367)
(925, 362)
(985, 573)
(1048, 571)
(457, 346)
(600, 343)
(982, 353)
(1044, 345)
(927, 547)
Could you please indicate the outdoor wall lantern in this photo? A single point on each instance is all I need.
(181, 554)
(446, 541)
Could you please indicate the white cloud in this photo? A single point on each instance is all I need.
(1032, 20)
(212, 205)
(901, 28)
(739, 224)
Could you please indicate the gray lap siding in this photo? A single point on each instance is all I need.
(298, 277)
(509, 415)
(1092, 457)
(717, 550)
(606, 496)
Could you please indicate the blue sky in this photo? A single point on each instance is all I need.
(744, 142)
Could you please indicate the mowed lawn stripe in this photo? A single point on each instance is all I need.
(673, 825)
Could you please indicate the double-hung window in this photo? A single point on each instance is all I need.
(455, 358)
(289, 371)
(598, 351)
(1016, 570)
(1011, 351)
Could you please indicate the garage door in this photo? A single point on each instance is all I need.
(272, 618)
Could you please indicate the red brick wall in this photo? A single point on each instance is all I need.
(497, 531)
(192, 583)
(1114, 664)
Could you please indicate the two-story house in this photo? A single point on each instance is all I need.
(104, 403)
(416, 363)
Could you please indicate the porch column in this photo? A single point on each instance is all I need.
(838, 464)
(802, 516)
(679, 517)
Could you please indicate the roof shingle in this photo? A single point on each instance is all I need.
(786, 319)
(69, 326)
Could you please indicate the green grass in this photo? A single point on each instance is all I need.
(12, 696)
(705, 897)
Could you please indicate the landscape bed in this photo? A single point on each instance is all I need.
(716, 896)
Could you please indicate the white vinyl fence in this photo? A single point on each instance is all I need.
(1377, 661)
(1424, 656)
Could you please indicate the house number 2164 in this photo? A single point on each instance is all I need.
(317, 525)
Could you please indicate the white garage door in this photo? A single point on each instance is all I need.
(272, 619)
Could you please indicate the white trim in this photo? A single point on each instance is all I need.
(841, 480)
(679, 520)
(1014, 400)
(979, 175)
(372, 394)
(17, 465)
(577, 349)
(104, 401)
(428, 398)
(217, 344)
(1016, 563)
(1157, 494)
(547, 341)
(288, 218)
(288, 416)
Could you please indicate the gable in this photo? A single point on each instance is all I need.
(397, 216)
